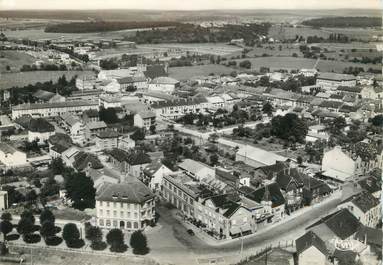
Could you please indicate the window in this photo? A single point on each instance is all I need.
(107, 213)
(114, 204)
(107, 204)
(114, 223)
(135, 215)
(100, 203)
(114, 213)
(121, 204)
(101, 222)
(107, 222)
(128, 213)
(101, 212)
(122, 214)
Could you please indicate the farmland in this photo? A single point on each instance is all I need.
(291, 63)
(14, 59)
(183, 73)
(9, 80)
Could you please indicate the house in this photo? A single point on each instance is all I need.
(83, 161)
(90, 116)
(131, 83)
(128, 206)
(257, 157)
(53, 109)
(163, 84)
(74, 127)
(365, 207)
(317, 133)
(372, 183)
(58, 143)
(224, 217)
(308, 72)
(331, 81)
(372, 92)
(113, 74)
(270, 199)
(10, 157)
(91, 129)
(126, 143)
(40, 130)
(145, 119)
(196, 169)
(337, 165)
(68, 156)
(107, 139)
(132, 162)
(311, 249)
(153, 175)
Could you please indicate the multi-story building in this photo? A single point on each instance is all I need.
(145, 119)
(365, 207)
(53, 109)
(331, 81)
(10, 157)
(107, 139)
(163, 84)
(174, 109)
(40, 130)
(74, 126)
(128, 206)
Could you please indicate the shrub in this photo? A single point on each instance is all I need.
(75, 243)
(139, 244)
(53, 241)
(12, 237)
(98, 245)
(32, 238)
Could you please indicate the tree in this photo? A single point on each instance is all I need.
(115, 239)
(70, 232)
(31, 196)
(138, 134)
(214, 159)
(57, 166)
(80, 189)
(108, 115)
(289, 127)
(245, 64)
(47, 229)
(93, 233)
(8, 68)
(267, 108)
(377, 120)
(25, 226)
(47, 215)
(6, 227)
(139, 244)
(152, 129)
(6, 216)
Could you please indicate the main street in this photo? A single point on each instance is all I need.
(173, 245)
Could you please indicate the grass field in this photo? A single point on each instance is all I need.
(184, 73)
(15, 59)
(290, 63)
(8, 80)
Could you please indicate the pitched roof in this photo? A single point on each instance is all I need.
(130, 192)
(82, 160)
(95, 125)
(6, 148)
(40, 125)
(43, 94)
(66, 104)
(311, 239)
(336, 77)
(262, 156)
(371, 184)
(289, 177)
(138, 158)
(164, 80)
(146, 114)
(152, 168)
(108, 134)
(70, 119)
(193, 166)
(342, 223)
(364, 201)
(227, 206)
(269, 192)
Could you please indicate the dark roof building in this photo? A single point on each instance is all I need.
(130, 192)
(40, 125)
(84, 160)
(269, 192)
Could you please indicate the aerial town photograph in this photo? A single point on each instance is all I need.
(169, 132)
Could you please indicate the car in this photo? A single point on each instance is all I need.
(190, 232)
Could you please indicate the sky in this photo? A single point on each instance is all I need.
(189, 4)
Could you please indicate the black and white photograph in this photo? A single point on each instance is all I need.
(200, 132)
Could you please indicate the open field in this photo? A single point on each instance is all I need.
(285, 32)
(8, 80)
(39, 34)
(15, 59)
(186, 72)
(291, 63)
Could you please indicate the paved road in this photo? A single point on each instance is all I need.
(191, 249)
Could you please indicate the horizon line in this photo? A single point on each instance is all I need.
(207, 9)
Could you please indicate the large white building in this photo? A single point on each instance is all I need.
(331, 81)
(40, 130)
(163, 84)
(145, 119)
(128, 206)
(257, 157)
(337, 165)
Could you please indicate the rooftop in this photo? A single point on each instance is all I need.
(130, 192)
